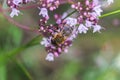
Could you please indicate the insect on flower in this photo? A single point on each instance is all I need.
(60, 37)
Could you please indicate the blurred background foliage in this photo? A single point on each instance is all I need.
(92, 56)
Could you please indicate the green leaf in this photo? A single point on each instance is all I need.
(23, 69)
(6, 56)
(3, 72)
(16, 34)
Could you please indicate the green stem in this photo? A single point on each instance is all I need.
(6, 56)
(110, 13)
(102, 16)
(3, 72)
(23, 69)
(70, 14)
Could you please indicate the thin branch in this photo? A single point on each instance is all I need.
(70, 14)
(23, 68)
(102, 16)
(16, 23)
(23, 8)
(110, 13)
(8, 55)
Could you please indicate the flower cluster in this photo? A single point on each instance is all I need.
(14, 4)
(89, 13)
(51, 4)
(58, 37)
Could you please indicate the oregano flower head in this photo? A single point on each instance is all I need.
(58, 37)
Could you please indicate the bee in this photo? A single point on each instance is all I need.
(60, 37)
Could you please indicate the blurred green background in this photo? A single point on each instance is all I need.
(92, 56)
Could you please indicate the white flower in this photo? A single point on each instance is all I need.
(58, 21)
(88, 24)
(117, 62)
(14, 12)
(71, 21)
(110, 1)
(66, 50)
(96, 28)
(45, 42)
(82, 29)
(98, 10)
(64, 15)
(50, 57)
(30, 0)
(16, 2)
(94, 15)
(74, 34)
(44, 12)
(48, 1)
(95, 2)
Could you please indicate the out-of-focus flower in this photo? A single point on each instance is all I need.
(44, 13)
(45, 42)
(71, 21)
(50, 57)
(17, 2)
(98, 10)
(14, 12)
(116, 63)
(88, 24)
(96, 28)
(82, 29)
(110, 1)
